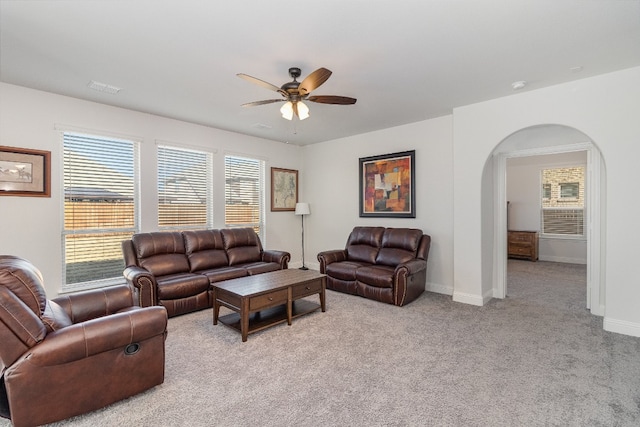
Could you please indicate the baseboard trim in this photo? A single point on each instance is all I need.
(621, 327)
(468, 299)
(439, 289)
(565, 260)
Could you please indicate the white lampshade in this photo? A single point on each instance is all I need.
(303, 110)
(287, 111)
(302, 209)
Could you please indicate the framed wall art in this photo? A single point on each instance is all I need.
(25, 172)
(284, 189)
(387, 185)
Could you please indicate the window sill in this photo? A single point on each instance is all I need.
(562, 237)
(96, 284)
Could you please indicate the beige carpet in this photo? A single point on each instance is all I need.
(536, 358)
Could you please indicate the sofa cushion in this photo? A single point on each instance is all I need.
(261, 267)
(181, 285)
(161, 253)
(205, 249)
(242, 245)
(344, 270)
(380, 276)
(399, 245)
(243, 255)
(363, 244)
(224, 273)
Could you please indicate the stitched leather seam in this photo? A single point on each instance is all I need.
(404, 289)
(19, 322)
(86, 347)
(131, 329)
(35, 298)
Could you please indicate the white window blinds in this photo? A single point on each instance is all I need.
(184, 188)
(244, 193)
(100, 207)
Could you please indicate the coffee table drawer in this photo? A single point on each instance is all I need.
(305, 289)
(268, 300)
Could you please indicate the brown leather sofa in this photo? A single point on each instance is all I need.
(383, 264)
(176, 269)
(75, 353)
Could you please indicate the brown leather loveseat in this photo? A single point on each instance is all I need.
(73, 354)
(176, 269)
(383, 264)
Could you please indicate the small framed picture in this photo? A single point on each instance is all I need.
(284, 189)
(25, 172)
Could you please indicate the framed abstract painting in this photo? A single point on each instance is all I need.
(387, 185)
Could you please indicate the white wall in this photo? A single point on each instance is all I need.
(31, 227)
(605, 108)
(330, 184)
(523, 193)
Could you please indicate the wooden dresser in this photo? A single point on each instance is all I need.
(523, 244)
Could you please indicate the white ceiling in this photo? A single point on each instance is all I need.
(405, 61)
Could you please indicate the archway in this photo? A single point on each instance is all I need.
(534, 141)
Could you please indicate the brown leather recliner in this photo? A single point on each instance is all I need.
(75, 353)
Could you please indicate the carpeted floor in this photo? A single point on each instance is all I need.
(536, 358)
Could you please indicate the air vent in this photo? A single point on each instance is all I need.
(261, 126)
(103, 87)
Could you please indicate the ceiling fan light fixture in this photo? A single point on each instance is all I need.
(303, 110)
(294, 92)
(287, 111)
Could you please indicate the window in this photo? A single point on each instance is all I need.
(244, 193)
(184, 188)
(563, 201)
(100, 208)
(570, 190)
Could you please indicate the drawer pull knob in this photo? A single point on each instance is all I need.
(308, 288)
(270, 298)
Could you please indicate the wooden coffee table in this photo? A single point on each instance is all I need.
(267, 299)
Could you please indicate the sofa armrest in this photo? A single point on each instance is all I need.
(409, 280)
(82, 306)
(144, 283)
(411, 267)
(279, 257)
(99, 335)
(328, 257)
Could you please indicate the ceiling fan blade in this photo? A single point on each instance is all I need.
(331, 99)
(262, 83)
(266, 101)
(295, 109)
(313, 80)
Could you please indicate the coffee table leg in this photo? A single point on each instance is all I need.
(323, 303)
(216, 311)
(289, 305)
(244, 318)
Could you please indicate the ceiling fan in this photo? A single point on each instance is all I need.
(295, 92)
